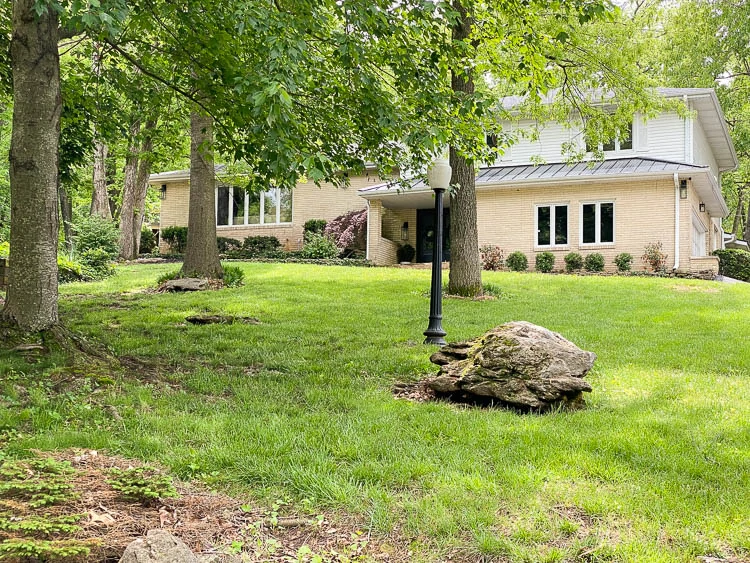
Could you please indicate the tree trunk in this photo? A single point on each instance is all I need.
(32, 282)
(66, 212)
(127, 247)
(747, 224)
(201, 253)
(100, 197)
(737, 222)
(141, 184)
(465, 276)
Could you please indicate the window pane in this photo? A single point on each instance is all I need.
(626, 138)
(253, 209)
(222, 206)
(608, 145)
(589, 223)
(238, 207)
(607, 228)
(269, 203)
(561, 224)
(543, 226)
(286, 206)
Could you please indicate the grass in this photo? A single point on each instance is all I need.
(656, 469)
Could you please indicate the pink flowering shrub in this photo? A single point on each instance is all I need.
(348, 231)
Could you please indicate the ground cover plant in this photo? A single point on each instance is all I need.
(300, 407)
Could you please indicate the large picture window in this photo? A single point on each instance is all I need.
(235, 206)
(598, 223)
(551, 225)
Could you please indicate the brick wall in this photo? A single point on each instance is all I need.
(308, 202)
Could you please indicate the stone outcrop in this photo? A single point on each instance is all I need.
(159, 546)
(519, 365)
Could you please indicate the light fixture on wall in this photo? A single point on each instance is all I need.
(163, 192)
(683, 189)
(702, 207)
(405, 231)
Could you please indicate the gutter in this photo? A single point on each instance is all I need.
(676, 221)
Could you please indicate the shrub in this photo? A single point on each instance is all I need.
(176, 238)
(545, 261)
(317, 226)
(623, 262)
(348, 231)
(573, 262)
(517, 261)
(68, 270)
(734, 263)
(233, 276)
(492, 257)
(96, 264)
(173, 275)
(4, 249)
(255, 247)
(144, 484)
(594, 262)
(92, 232)
(227, 244)
(148, 241)
(406, 253)
(654, 256)
(319, 247)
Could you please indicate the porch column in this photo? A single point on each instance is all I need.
(374, 231)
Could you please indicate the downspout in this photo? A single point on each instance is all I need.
(367, 240)
(676, 221)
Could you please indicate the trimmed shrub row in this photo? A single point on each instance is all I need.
(492, 259)
(734, 263)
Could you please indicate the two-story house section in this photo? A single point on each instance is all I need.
(659, 182)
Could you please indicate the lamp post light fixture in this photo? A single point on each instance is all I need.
(405, 231)
(438, 178)
(163, 192)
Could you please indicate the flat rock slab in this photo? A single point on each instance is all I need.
(221, 319)
(185, 284)
(519, 365)
(159, 546)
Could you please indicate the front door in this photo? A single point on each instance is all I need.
(426, 234)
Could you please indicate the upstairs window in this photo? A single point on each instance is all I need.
(551, 225)
(235, 206)
(598, 223)
(623, 141)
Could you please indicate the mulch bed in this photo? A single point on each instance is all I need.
(206, 521)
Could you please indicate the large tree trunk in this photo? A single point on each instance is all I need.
(747, 223)
(465, 276)
(201, 253)
(141, 184)
(32, 282)
(99, 196)
(127, 246)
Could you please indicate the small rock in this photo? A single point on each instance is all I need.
(518, 364)
(159, 546)
(186, 284)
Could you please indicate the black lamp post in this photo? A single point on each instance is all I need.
(438, 177)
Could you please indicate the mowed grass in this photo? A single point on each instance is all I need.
(656, 469)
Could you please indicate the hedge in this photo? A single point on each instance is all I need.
(734, 263)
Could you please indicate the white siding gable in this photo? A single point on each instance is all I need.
(702, 153)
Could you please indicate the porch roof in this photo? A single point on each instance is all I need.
(416, 193)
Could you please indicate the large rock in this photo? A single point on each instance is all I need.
(159, 546)
(186, 284)
(518, 364)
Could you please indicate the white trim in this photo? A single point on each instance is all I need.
(230, 209)
(676, 221)
(367, 242)
(552, 224)
(597, 223)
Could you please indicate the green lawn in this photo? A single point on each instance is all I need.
(656, 469)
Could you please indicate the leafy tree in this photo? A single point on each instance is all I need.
(706, 43)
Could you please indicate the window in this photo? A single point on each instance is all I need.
(551, 225)
(598, 223)
(699, 237)
(623, 141)
(235, 206)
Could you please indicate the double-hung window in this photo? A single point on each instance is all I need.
(236, 206)
(598, 222)
(623, 141)
(551, 225)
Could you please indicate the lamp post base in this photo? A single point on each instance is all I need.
(435, 334)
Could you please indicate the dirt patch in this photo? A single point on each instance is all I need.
(207, 522)
(694, 289)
